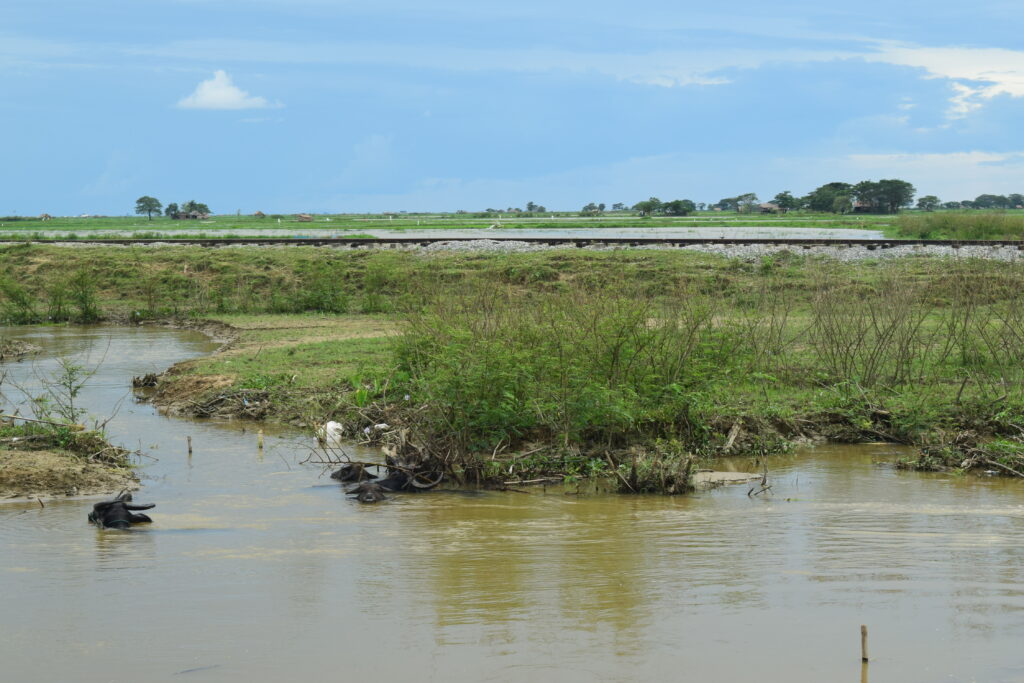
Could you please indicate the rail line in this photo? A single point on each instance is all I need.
(581, 242)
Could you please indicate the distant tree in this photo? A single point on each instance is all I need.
(679, 207)
(541, 209)
(895, 194)
(701, 206)
(148, 206)
(968, 204)
(952, 205)
(192, 205)
(884, 196)
(786, 201)
(171, 209)
(648, 206)
(531, 207)
(868, 195)
(929, 202)
(1016, 201)
(618, 206)
(600, 207)
(592, 209)
(728, 204)
(992, 201)
(842, 204)
(746, 203)
(824, 197)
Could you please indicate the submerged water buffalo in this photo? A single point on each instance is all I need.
(354, 471)
(367, 492)
(117, 513)
(396, 481)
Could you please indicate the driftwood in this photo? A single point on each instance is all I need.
(1002, 466)
(542, 480)
(733, 433)
(73, 427)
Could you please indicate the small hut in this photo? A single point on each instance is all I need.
(304, 218)
(259, 214)
(189, 216)
(45, 217)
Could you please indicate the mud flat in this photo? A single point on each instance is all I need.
(38, 473)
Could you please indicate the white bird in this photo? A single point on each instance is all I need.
(330, 433)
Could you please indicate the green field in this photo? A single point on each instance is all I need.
(224, 225)
(961, 225)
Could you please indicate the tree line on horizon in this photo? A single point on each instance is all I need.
(886, 196)
(147, 206)
(879, 197)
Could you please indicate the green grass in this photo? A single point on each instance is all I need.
(352, 225)
(961, 225)
(588, 352)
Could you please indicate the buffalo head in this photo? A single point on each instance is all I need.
(367, 492)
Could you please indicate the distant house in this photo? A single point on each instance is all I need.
(259, 214)
(304, 218)
(863, 207)
(770, 207)
(189, 216)
(45, 217)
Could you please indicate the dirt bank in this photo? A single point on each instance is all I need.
(57, 460)
(33, 474)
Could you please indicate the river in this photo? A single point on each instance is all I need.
(257, 568)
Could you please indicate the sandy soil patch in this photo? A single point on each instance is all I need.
(53, 473)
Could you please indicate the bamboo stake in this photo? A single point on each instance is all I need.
(863, 643)
(189, 444)
(259, 439)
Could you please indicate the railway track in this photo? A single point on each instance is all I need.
(581, 242)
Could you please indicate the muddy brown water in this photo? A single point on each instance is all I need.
(256, 569)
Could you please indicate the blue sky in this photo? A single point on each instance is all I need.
(335, 105)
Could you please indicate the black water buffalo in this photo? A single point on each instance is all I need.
(117, 513)
(354, 471)
(367, 492)
(397, 481)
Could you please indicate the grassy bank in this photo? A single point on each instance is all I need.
(634, 364)
(960, 225)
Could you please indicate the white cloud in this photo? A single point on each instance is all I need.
(988, 72)
(220, 93)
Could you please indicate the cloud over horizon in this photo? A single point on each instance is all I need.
(220, 93)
